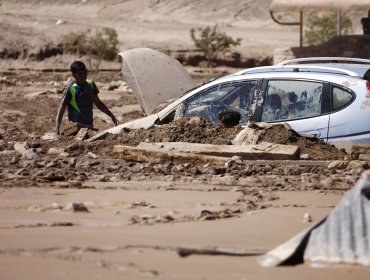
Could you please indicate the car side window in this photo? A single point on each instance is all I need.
(340, 98)
(288, 100)
(231, 96)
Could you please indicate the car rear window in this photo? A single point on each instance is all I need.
(340, 98)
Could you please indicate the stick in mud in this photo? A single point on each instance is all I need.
(185, 252)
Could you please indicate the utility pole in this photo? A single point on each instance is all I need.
(339, 23)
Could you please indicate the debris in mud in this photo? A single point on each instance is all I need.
(310, 146)
(55, 206)
(185, 252)
(148, 219)
(207, 215)
(51, 177)
(140, 204)
(307, 218)
(206, 132)
(361, 152)
(315, 148)
(51, 224)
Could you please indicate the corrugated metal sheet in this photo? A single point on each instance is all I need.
(319, 5)
(343, 237)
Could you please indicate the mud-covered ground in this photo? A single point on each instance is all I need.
(79, 211)
(28, 106)
(71, 210)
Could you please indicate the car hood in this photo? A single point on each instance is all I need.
(154, 77)
(146, 122)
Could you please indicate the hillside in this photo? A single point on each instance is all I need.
(30, 26)
(158, 24)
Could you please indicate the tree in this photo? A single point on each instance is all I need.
(98, 46)
(321, 29)
(212, 42)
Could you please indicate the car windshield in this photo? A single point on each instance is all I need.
(167, 102)
(229, 96)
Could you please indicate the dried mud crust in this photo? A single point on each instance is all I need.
(205, 132)
(315, 148)
(80, 166)
(182, 130)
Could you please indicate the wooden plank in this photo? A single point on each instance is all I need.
(98, 136)
(82, 134)
(146, 155)
(260, 151)
(187, 251)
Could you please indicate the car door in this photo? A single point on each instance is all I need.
(226, 96)
(303, 104)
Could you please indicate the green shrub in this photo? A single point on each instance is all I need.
(100, 45)
(76, 42)
(212, 42)
(322, 28)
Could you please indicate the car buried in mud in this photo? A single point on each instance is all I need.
(325, 96)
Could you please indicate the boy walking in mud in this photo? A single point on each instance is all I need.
(79, 95)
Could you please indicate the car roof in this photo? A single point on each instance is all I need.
(351, 68)
(354, 67)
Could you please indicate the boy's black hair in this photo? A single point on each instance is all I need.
(77, 66)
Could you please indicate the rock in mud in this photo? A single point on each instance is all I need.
(20, 147)
(14, 160)
(307, 218)
(91, 155)
(29, 154)
(55, 151)
(338, 164)
(72, 162)
(357, 164)
(77, 207)
(49, 136)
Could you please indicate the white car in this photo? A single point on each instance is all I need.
(325, 96)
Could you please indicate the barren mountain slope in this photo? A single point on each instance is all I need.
(28, 26)
(142, 23)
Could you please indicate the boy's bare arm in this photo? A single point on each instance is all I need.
(59, 117)
(101, 106)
